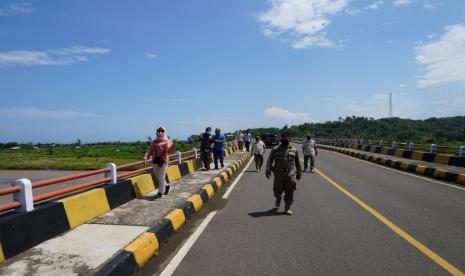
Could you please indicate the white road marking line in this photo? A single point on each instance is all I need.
(402, 172)
(237, 180)
(177, 259)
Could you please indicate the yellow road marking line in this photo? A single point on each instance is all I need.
(425, 250)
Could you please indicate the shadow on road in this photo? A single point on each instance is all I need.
(269, 213)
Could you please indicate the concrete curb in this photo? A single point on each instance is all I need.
(136, 254)
(402, 165)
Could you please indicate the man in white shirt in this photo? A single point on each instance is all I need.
(309, 150)
(258, 150)
(247, 140)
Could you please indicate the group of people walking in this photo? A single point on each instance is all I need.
(283, 162)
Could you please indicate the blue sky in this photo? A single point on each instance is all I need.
(116, 70)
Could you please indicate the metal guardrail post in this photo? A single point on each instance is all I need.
(112, 173)
(178, 157)
(196, 153)
(394, 145)
(410, 146)
(370, 142)
(381, 143)
(433, 148)
(461, 151)
(24, 196)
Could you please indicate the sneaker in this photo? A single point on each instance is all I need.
(167, 189)
(159, 195)
(222, 165)
(258, 170)
(216, 168)
(311, 170)
(289, 212)
(278, 202)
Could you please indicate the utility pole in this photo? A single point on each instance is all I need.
(390, 105)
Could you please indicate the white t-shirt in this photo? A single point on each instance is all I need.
(258, 147)
(248, 137)
(240, 137)
(308, 147)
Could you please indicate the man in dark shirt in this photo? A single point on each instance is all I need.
(206, 147)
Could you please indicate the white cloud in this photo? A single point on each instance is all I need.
(397, 3)
(375, 6)
(444, 58)
(151, 56)
(35, 113)
(284, 114)
(16, 8)
(62, 56)
(303, 21)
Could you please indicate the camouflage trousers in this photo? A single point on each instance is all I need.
(283, 182)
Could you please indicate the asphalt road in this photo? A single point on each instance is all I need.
(330, 233)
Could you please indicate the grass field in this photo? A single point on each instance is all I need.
(70, 157)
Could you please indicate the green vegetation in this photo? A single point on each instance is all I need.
(74, 156)
(442, 131)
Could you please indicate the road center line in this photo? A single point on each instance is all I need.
(177, 259)
(425, 250)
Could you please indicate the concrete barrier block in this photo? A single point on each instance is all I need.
(143, 184)
(177, 219)
(83, 207)
(143, 248)
(209, 189)
(442, 159)
(461, 179)
(438, 173)
(420, 169)
(196, 201)
(417, 155)
(173, 173)
(190, 165)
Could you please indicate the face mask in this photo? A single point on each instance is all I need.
(208, 132)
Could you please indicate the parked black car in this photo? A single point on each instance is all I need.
(270, 139)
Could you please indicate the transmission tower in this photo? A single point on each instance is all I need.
(390, 105)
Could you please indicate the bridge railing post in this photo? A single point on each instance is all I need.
(24, 196)
(433, 148)
(394, 145)
(178, 157)
(196, 154)
(111, 173)
(461, 151)
(381, 143)
(410, 146)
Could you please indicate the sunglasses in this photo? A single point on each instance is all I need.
(160, 130)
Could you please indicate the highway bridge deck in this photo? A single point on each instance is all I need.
(351, 218)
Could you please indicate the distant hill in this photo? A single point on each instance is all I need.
(449, 130)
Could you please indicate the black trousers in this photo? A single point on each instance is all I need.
(247, 146)
(312, 161)
(206, 159)
(258, 160)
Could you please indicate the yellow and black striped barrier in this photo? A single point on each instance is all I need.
(136, 254)
(22, 231)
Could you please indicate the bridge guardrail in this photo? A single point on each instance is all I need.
(22, 189)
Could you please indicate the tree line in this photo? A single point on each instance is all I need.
(433, 130)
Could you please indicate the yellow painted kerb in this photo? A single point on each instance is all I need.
(2, 257)
(196, 201)
(209, 189)
(143, 184)
(218, 182)
(177, 219)
(143, 248)
(86, 206)
(420, 169)
(439, 173)
(225, 175)
(461, 179)
(404, 166)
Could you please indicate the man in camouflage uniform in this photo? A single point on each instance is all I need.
(284, 162)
